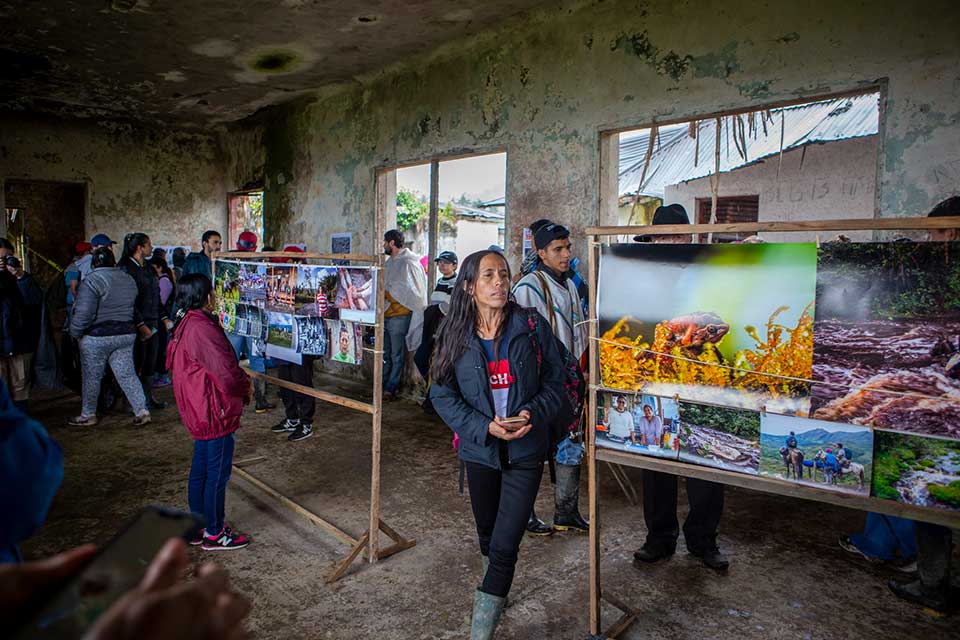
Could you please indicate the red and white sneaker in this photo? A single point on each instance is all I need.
(226, 540)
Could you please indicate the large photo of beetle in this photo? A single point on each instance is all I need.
(721, 324)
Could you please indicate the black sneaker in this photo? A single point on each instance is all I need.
(285, 426)
(304, 430)
(650, 554)
(712, 558)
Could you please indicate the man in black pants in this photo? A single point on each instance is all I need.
(148, 313)
(660, 489)
(298, 408)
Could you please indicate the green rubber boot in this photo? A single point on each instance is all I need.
(486, 615)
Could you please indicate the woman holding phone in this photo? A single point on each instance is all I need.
(496, 381)
(211, 389)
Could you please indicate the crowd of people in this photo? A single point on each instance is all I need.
(139, 322)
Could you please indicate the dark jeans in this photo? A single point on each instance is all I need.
(884, 536)
(934, 550)
(502, 500)
(145, 356)
(298, 406)
(660, 512)
(394, 351)
(209, 472)
(163, 338)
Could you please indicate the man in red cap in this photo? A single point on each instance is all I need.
(247, 241)
(72, 273)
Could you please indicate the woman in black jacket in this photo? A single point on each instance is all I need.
(497, 383)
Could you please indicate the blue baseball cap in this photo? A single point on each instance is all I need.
(101, 240)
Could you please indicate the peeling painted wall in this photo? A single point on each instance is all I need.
(542, 89)
(169, 185)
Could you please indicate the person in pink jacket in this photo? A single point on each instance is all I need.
(211, 389)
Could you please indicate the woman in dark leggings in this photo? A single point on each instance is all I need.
(497, 381)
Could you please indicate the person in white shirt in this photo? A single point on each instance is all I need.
(620, 421)
(551, 291)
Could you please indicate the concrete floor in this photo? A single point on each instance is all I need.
(788, 579)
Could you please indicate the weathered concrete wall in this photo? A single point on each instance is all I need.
(834, 180)
(543, 89)
(169, 185)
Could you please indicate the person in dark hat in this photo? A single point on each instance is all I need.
(668, 214)
(447, 265)
(660, 489)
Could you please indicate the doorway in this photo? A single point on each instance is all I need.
(44, 221)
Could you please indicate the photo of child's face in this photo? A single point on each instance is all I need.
(344, 342)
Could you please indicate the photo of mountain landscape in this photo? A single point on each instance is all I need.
(825, 454)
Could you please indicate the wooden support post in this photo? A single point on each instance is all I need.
(433, 232)
(593, 364)
(373, 530)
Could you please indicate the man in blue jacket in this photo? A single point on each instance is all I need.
(31, 470)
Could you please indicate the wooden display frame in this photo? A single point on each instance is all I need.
(759, 483)
(368, 543)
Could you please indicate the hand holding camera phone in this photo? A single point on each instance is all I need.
(115, 570)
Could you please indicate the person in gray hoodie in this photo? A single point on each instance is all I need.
(102, 320)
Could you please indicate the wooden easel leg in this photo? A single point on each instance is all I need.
(341, 568)
(624, 622)
(625, 484)
(400, 543)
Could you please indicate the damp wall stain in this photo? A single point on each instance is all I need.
(168, 184)
(543, 89)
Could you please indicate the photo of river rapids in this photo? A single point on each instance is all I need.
(920, 471)
(887, 336)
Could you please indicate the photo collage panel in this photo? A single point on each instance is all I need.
(293, 310)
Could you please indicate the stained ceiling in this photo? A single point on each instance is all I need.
(201, 63)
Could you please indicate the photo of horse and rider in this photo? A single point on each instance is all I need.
(828, 455)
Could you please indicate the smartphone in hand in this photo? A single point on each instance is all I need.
(118, 567)
(514, 423)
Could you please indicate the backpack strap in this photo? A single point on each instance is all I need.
(548, 297)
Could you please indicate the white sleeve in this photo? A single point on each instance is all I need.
(528, 294)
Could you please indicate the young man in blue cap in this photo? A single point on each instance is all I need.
(549, 289)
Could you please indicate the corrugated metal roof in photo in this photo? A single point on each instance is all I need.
(676, 159)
